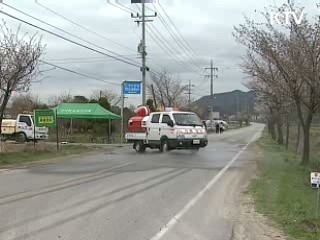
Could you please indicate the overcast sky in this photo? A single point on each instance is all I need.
(206, 25)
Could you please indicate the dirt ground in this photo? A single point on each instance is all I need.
(248, 224)
(254, 226)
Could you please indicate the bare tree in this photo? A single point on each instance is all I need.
(105, 93)
(25, 103)
(264, 74)
(169, 92)
(64, 97)
(19, 63)
(293, 50)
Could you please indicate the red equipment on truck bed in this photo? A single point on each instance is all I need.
(135, 123)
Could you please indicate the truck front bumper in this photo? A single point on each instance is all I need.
(42, 136)
(187, 143)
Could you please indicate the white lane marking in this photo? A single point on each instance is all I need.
(194, 200)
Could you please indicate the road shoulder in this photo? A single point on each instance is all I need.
(249, 224)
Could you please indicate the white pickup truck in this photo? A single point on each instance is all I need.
(169, 130)
(22, 129)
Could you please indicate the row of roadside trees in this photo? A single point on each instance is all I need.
(283, 62)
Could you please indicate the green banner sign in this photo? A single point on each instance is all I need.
(45, 118)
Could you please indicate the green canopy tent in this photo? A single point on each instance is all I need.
(85, 111)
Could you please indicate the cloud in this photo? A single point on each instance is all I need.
(206, 25)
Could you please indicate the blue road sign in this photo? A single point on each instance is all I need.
(133, 88)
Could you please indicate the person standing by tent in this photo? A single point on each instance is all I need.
(221, 127)
(217, 127)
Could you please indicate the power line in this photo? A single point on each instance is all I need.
(168, 45)
(179, 33)
(171, 46)
(83, 27)
(161, 39)
(159, 42)
(175, 36)
(83, 61)
(84, 58)
(70, 40)
(66, 32)
(123, 9)
(123, 6)
(80, 74)
(153, 72)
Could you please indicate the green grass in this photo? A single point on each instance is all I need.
(30, 156)
(86, 138)
(282, 191)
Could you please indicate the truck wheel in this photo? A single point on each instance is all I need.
(2, 138)
(139, 147)
(21, 137)
(164, 146)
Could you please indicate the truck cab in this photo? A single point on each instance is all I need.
(22, 129)
(170, 130)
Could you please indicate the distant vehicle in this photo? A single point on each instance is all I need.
(166, 131)
(22, 129)
(222, 123)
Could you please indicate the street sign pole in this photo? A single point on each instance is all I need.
(318, 199)
(34, 130)
(57, 129)
(122, 106)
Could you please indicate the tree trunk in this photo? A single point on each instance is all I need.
(272, 123)
(298, 138)
(3, 106)
(306, 135)
(287, 134)
(272, 130)
(269, 126)
(306, 146)
(280, 133)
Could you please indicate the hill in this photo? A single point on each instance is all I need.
(229, 103)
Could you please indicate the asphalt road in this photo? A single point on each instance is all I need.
(129, 196)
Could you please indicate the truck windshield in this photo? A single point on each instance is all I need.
(187, 119)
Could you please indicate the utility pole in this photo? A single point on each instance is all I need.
(238, 106)
(122, 108)
(212, 75)
(190, 86)
(143, 54)
(189, 93)
(142, 46)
